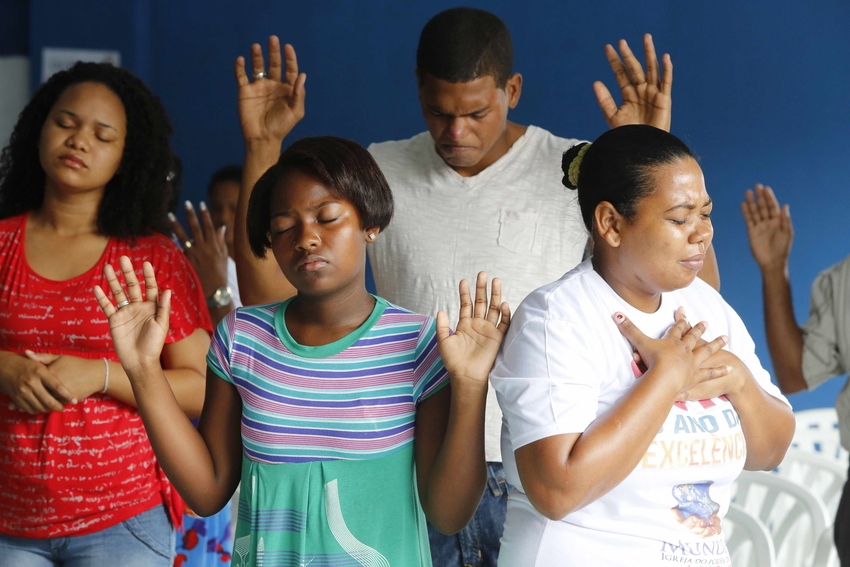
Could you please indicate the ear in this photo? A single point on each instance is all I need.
(607, 223)
(371, 234)
(514, 89)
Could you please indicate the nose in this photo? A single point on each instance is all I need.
(308, 237)
(457, 126)
(703, 233)
(78, 140)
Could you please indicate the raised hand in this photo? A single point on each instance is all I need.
(681, 353)
(646, 97)
(469, 353)
(206, 249)
(138, 326)
(768, 227)
(268, 107)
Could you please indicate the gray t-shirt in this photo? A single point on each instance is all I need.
(826, 337)
(514, 220)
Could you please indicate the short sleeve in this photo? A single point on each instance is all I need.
(821, 335)
(218, 357)
(429, 374)
(188, 304)
(544, 381)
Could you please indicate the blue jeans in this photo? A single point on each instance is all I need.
(146, 540)
(476, 545)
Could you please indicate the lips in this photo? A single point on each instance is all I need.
(72, 161)
(311, 263)
(694, 262)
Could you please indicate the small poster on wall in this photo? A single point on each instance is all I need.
(55, 59)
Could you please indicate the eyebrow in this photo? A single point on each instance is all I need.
(689, 206)
(105, 125)
(477, 111)
(315, 208)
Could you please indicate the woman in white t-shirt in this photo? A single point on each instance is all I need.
(624, 426)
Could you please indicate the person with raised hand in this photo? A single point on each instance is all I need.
(625, 426)
(803, 357)
(358, 418)
(84, 181)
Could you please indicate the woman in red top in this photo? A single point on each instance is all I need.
(83, 182)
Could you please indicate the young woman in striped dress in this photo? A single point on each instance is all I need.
(333, 408)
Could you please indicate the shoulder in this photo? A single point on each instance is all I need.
(568, 298)
(395, 151)
(548, 143)
(837, 272)
(12, 225)
(395, 315)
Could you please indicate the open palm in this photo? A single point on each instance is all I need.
(138, 326)
(469, 353)
(768, 227)
(268, 107)
(646, 96)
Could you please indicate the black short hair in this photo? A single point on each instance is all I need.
(136, 198)
(226, 173)
(341, 165)
(618, 166)
(463, 44)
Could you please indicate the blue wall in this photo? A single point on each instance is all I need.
(760, 92)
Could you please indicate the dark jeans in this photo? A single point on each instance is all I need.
(476, 545)
(842, 527)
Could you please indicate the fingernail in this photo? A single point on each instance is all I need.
(73, 400)
(223, 228)
(619, 317)
(171, 217)
(188, 205)
(203, 206)
(728, 368)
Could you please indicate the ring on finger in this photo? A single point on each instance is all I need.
(260, 75)
(122, 304)
(188, 244)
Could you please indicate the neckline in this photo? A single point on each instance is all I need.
(330, 349)
(633, 311)
(85, 275)
(486, 173)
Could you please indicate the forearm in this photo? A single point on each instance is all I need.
(459, 473)
(768, 425)
(565, 473)
(784, 337)
(179, 447)
(186, 385)
(260, 281)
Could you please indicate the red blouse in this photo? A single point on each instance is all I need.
(90, 466)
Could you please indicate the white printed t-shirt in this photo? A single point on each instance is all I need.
(514, 220)
(563, 363)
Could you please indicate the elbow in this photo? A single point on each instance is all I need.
(553, 504)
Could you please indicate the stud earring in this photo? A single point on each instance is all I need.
(372, 236)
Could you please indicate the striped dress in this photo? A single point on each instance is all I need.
(328, 474)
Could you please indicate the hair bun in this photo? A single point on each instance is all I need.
(570, 163)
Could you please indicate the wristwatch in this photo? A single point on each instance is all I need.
(221, 297)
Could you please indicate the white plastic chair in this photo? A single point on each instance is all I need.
(817, 432)
(820, 474)
(748, 540)
(825, 553)
(794, 515)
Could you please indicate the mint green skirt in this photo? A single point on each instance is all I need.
(331, 513)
